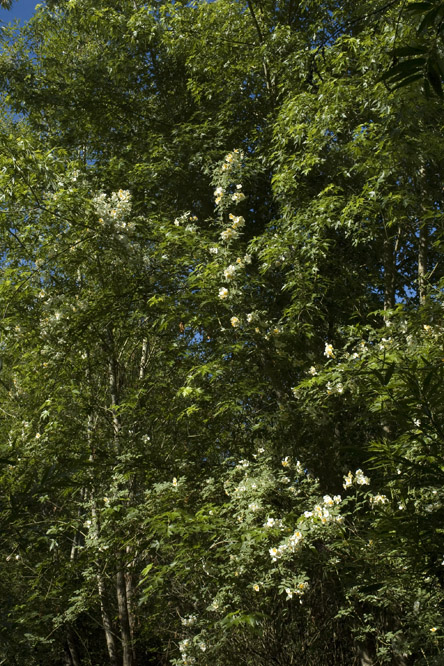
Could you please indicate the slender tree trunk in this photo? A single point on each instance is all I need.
(143, 358)
(130, 601)
(101, 587)
(71, 649)
(106, 621)
(122, 601)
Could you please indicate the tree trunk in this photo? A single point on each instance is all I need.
(101, 587)
(122, 601)
(106, 621)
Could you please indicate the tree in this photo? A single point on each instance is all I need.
(221, 299)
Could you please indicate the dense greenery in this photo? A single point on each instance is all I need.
(222, 377)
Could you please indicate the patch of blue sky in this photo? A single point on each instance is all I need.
(21, 10)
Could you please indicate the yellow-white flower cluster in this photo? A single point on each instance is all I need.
(183, 647)
(299, 590)
(232, 232)
(232, 158)
(230, 271)
(218, 194)
(188, 219)
(329, 351)
(378, 499)
(360, 479)
(188, 621)
(114, 209)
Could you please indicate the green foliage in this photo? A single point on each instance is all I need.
(221, 336)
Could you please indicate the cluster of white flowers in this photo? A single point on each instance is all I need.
(223, 293)
(329, 351)
(331, 501)
(184, 645)
(273, 522)
(299, 590)
(359, 479)
(113, 209)
(238, 196)
(186, 218)
(232, 232)
(378, 499)
(218, 194)
(323, 513)
(230, 271)
(188, 621)
(232, 158)
(290, 545)
(334, 388)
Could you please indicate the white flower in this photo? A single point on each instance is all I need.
(187, 621)
(237, 221)
(339, 388)
(229, 234)
(329, 352)
(285, 462)
(238, 196)
(289, 592)
(433, 629)
(174, 482)
(213, 250)
(223, 293)
(271, 522)
(184, 644)
(247, 258)
(328, 500)
(256, 587)
(313, 371)
(230, 272)
(234, 322)
(274, 554)
(337, 499)
(378, 499)
(361, 480)
(218, 194)
(348, 480)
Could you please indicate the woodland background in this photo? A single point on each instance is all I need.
(222, 397)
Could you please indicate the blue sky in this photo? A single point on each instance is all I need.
(21, 9)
